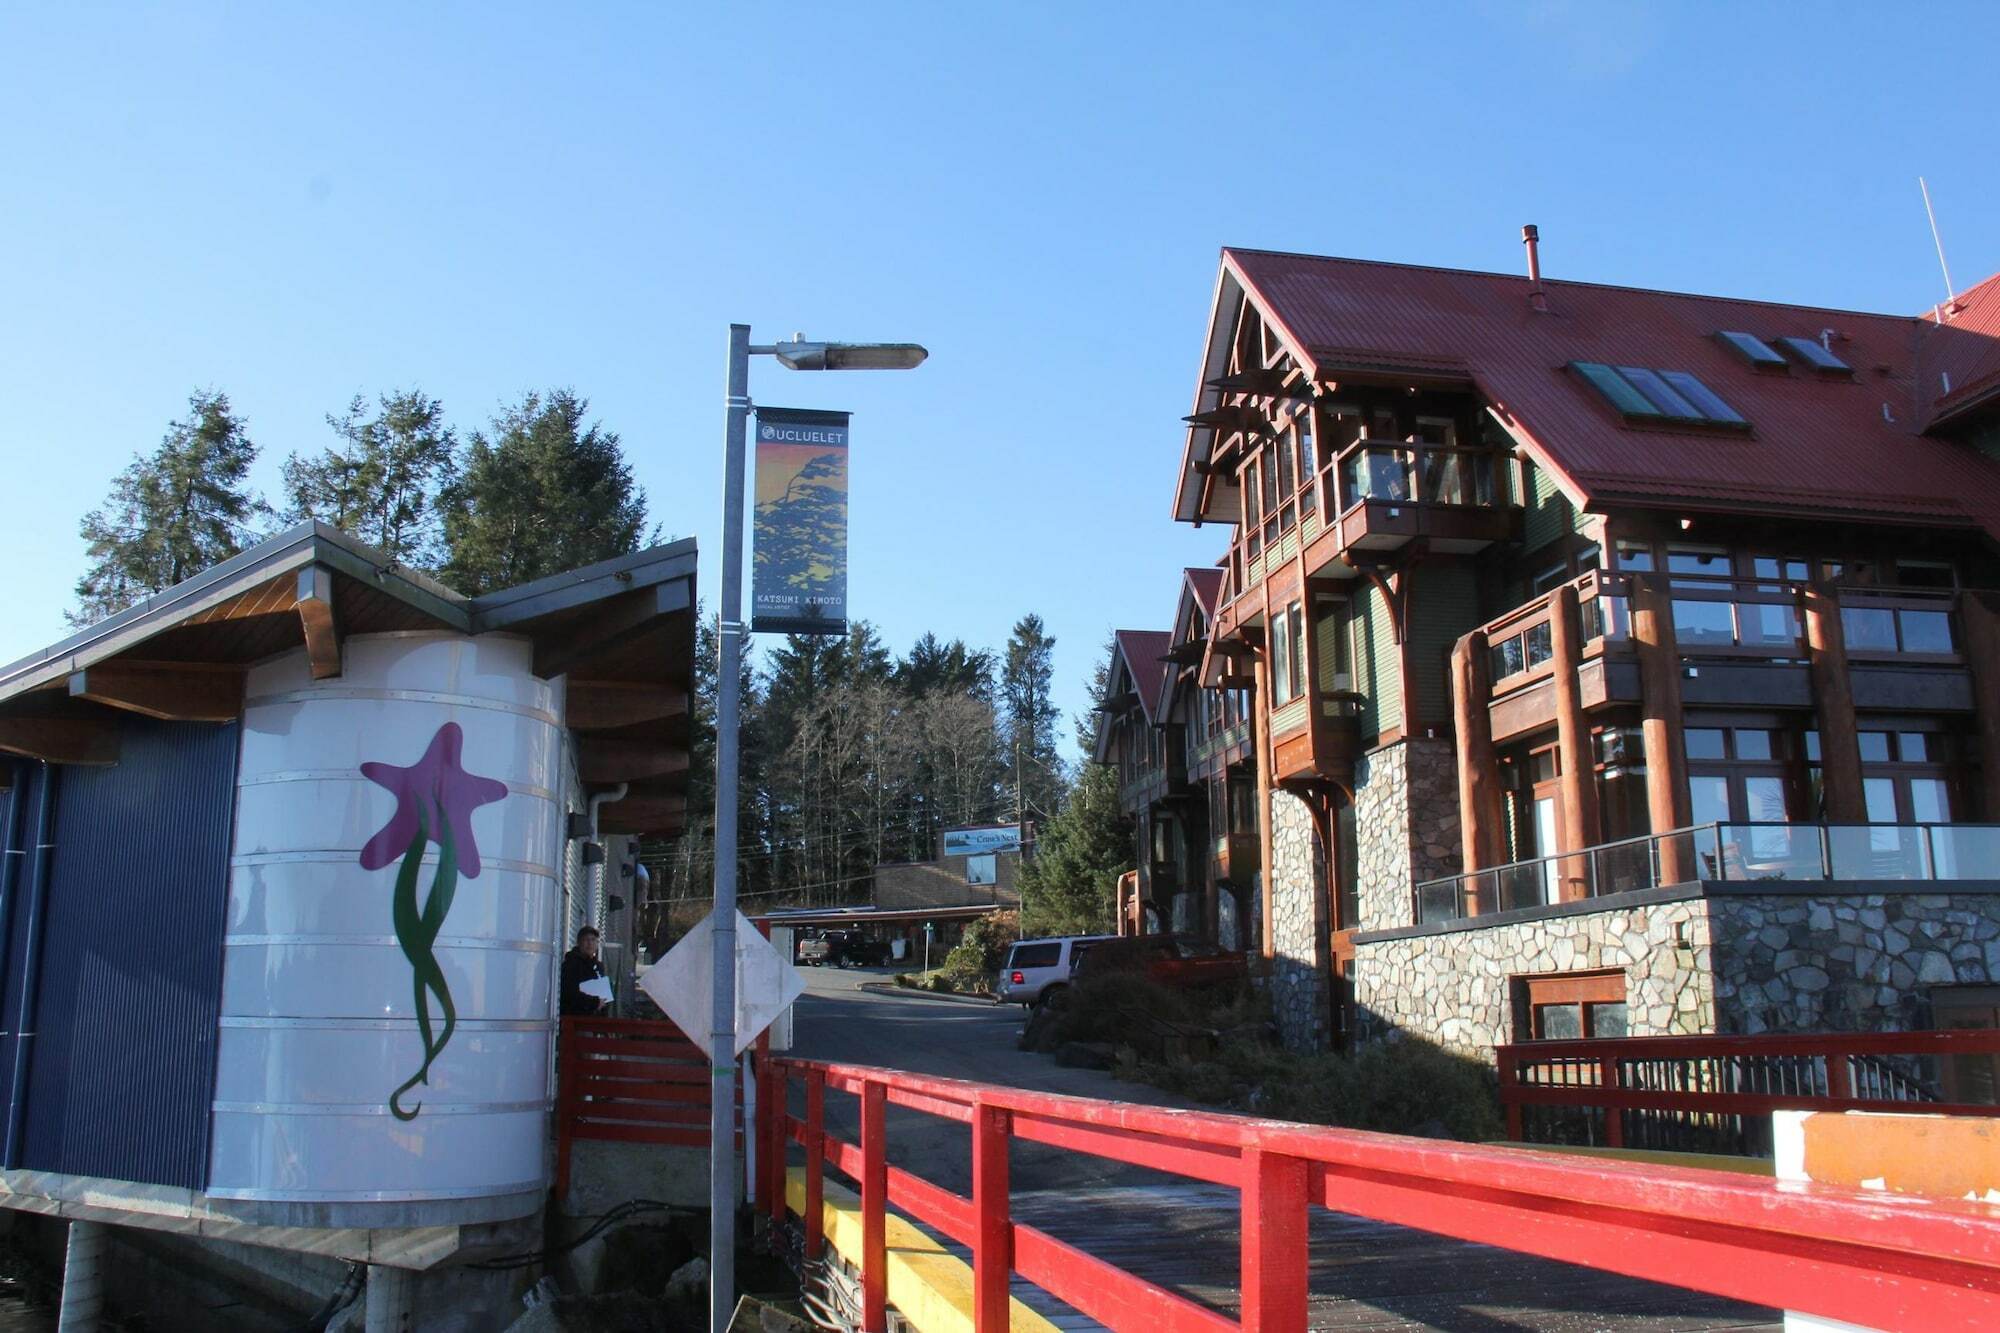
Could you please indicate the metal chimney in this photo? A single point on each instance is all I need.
(1531, 236)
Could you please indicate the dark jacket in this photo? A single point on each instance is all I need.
(578, 967)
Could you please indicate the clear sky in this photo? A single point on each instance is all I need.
(296, 203)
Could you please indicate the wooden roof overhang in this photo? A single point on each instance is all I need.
(622, 632)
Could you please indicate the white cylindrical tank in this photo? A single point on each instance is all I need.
(326, 985)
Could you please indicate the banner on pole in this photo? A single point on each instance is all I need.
(799, 572)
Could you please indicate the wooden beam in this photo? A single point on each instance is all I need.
(1480, 807)
(162, 691)
(315, 603)
(605, 759)
(663, 815)
(1833, 701)
(602, 705)
(61, 740)
(617, 621)
(1660, 722)
(1580, 825)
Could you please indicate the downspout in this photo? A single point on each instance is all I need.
(12, 855)
(31, 966)
(602, 798)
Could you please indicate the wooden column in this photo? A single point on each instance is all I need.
(1660, 714)
(1481, 814)
(1580, 826)
(1833, 700)
(1261, 738)
(1981, 619)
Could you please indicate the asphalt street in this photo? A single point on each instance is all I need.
(836, 1021)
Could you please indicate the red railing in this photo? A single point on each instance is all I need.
(1881, 1261)
(630, 1080)
(1672, 1086)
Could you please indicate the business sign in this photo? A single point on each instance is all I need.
(799, 577)
(982, 838)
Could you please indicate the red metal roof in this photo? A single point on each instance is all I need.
(1817, 445)
(1206, 581)
(1961, 347)
(1145, 657)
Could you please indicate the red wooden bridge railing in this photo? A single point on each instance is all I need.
(1872, 1259)
(630, 1080)
(1689, 1079)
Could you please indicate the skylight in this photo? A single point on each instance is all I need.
(1754, 350)
(1641, 394)
(1812, 353)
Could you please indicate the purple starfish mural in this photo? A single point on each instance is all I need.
(435, 798)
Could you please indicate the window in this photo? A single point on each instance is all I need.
(1704, 561)
(1883, 629)
(1281, 659)
(1570, 1006)
(1044, 953)
(982, 869)
(1926, 574)
(1813, 354)
(1635, 557)
(1753, 349)
(1521, 652)
(1642, 394)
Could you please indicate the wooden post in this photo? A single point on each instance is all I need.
(1614, 1116)
(815, 1162)
(1833, 697)
(1580, 824)
(1660, 713)
(1981, 621)
(1509, 1065)
(993, 1237)
(1274, 1242)
(1261, 735)
(874, 1208)
(1480, 812)
(566, 1058)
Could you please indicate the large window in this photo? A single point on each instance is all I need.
(1570, 1006)
(1288, 638)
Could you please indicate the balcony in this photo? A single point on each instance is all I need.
(1723, 853)
(1380, 496)
(1521, 655)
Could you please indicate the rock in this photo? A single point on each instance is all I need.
(1935, 967)
(1086, 1055)
(1809, 978)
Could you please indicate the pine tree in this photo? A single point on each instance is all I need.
(949, 667)
(537, 494)
(1026, 676)
(381, 481)
(1071, 885)
(172, 513)
(1100, 685)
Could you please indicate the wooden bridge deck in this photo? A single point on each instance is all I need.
(1365, 1275)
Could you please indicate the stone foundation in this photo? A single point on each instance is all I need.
(1299, 941)
(1455, 987)
(1405, 827)
(1847, 963)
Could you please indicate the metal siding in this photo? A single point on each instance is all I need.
(1375, 654)
(13, 921)
(1544, 521)
(123, 1067)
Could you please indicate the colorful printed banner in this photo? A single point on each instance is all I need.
(799, 575)
(980, 838)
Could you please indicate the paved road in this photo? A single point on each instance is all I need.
(838, 1022)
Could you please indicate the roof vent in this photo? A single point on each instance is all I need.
(1531, 236)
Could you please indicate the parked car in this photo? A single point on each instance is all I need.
(842, 948)
(1183, 962)
(1038, 970)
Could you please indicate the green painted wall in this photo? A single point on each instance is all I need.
(1547, 516)
(1375, 670)
(1443, 605)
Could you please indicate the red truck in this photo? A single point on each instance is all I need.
(1181, 961)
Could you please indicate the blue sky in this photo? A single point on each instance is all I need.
(295, 204)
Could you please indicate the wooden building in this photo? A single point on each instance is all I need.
(1616, 660)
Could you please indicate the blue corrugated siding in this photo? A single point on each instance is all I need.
(122, 1071)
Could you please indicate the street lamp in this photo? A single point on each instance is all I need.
(796, 354)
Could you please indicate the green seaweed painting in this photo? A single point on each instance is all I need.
(435, 798)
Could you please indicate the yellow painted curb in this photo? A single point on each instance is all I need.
(931, 1287)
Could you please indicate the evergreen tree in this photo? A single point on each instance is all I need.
(1026, 674)
(1100, 685)
(172, 513)
(949, 667)
(537, 494)
(1071, 885)
(380, 482)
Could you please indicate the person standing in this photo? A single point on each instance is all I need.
(581, 964)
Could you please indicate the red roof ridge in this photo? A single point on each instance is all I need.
(1548, 282)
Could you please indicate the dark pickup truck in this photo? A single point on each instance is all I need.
(842, 948)
(1180, 961)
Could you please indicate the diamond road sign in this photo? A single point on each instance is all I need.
(683, 984)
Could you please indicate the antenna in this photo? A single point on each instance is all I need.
(1950, 292)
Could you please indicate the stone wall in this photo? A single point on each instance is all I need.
(1405, 826)
(1299, 942)
(1454, 987)
(1847, 963)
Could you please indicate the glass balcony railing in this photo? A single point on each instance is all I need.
(1733, 852)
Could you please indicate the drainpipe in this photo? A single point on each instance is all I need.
(16, 850)
(31, 966)
(602, 798)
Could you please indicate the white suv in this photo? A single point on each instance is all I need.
(1036, 969)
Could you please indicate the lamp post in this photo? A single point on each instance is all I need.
(796, 354)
